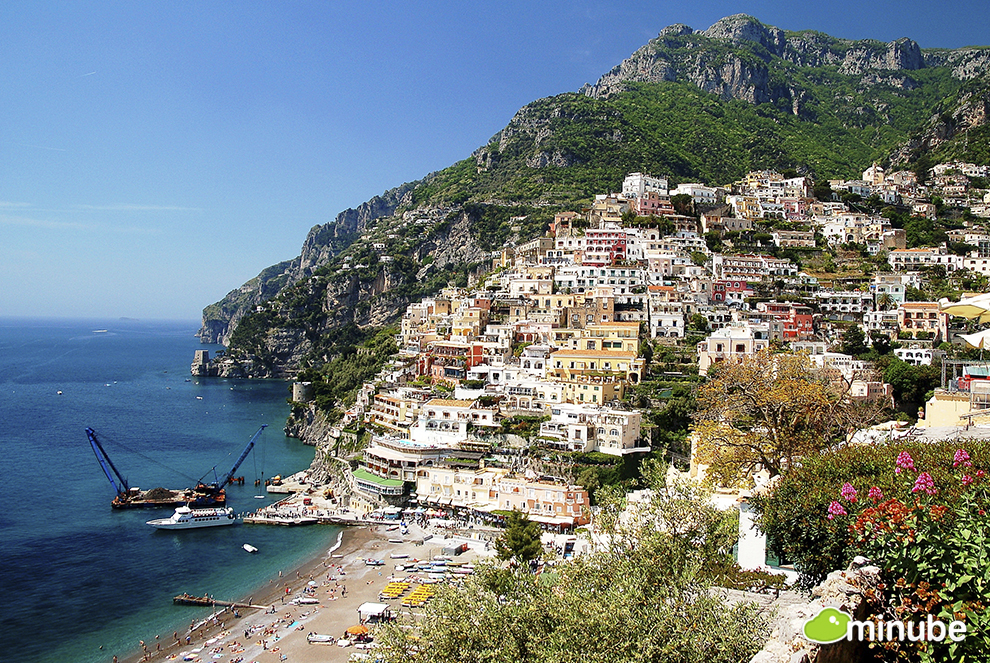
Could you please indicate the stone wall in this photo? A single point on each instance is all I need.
(841, 589)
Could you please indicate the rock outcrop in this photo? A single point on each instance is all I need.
(322, 244)
(734, 59)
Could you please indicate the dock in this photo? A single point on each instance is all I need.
(204, 601)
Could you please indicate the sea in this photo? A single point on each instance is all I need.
(83, 582)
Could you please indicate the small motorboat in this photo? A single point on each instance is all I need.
(320, 639)
(399, 556)
(248, 547)
(259, 497)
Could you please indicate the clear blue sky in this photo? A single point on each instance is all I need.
(155, 155)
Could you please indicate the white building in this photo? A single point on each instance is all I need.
(577, 427)
(731, 343)
(636, 185)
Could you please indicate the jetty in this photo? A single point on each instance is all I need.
(201, 601)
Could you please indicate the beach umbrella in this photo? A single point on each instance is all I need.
(979, 340)
(358, 629)
(977, 307)
(312, 583)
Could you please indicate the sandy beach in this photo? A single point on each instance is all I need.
(340, 581)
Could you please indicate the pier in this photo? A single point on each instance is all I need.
(201, 601)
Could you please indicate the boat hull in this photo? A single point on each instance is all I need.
(186, 518)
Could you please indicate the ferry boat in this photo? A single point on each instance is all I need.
(186, 518)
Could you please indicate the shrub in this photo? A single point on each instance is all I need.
(930, 538)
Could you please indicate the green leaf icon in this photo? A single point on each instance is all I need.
(829, 625)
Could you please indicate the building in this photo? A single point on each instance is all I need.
(847, 305)
(575, 427)
(923, 320)
(731, 343)
(798, 320)
(750, 267)
(912, 260)
(638, 185)
(544, 499)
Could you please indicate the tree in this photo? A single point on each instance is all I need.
(647, 595)
(683, 203)
(520, 542)
(853, 341)
(698, 322)
(886, 302)
(767, 411)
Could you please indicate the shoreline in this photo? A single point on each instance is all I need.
(272, 594)
(335, 582)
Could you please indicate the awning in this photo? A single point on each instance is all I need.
(551, 521)
(372, 609)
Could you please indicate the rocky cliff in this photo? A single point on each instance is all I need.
(360, 288)
(322, 244)
(740, 58)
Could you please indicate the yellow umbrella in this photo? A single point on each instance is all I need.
(359, 629)
(977, 307)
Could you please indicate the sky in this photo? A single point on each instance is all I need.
(156, 155)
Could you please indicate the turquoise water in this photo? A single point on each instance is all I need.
(79, 576)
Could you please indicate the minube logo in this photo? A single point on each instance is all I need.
(831, 625)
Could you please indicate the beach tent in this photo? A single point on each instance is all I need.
(378, 611)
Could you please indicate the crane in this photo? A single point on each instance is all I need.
(101, 455)
(217, 487)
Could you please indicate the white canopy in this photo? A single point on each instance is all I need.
(372, 610)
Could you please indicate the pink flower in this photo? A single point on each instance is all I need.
(904, 462)
(967, 480)
(961, 458)
(835, 509)
(876, 494)
(925, 483)
(848, 492)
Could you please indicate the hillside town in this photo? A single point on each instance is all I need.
(544, 351)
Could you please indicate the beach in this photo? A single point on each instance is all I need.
(339, 579)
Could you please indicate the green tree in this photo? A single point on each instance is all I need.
(649, 595)
(698, 323)
(520, 542)
(853, 341)
(683, 204)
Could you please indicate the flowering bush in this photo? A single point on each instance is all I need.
(931, 540)
(794, 513)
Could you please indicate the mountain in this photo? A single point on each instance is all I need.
(693, 106)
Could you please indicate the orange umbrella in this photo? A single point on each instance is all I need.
(359, 629)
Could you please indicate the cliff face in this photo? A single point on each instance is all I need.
(322, 244)
(736, 57)
(299, 326)
(956, 133)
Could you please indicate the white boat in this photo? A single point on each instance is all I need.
(248, 547)
(186, 518)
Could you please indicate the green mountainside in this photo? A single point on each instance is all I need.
(691, 106)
